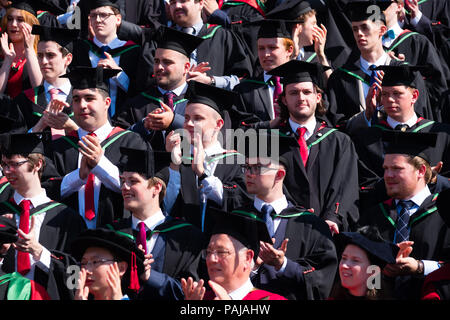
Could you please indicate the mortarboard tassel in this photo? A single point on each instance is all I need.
(134, 281)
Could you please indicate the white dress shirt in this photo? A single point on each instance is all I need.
(45, 259)
(365, 68)
(310, 126)
(105, 173)
(242, 291)
(393, 123)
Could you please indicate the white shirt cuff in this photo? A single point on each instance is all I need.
(107, 173)
(71, 183)
(416, 20)
(122, 81)
(213, 189)
(429, 266)
(283, 267)
(45, 259)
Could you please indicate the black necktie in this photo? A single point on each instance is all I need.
(401, 127)
(403, 220)
(266, 210)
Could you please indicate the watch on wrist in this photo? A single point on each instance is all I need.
(213, 81)
(420, 267)
(203, 176)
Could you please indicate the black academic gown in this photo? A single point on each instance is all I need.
(137, 108)
(187, 205)
(60, 227)
(311, 257)
(329, 184)
(444, 105)
(371, 149)
(130, 56)
(344, 97)
(254, 97)
(428, 231)
(33, 102)
(177, 254)
(11, 119)
(418, 50)
(64, 155)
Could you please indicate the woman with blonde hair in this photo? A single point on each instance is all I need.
(20, 69)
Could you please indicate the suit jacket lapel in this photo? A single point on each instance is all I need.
(314, 150)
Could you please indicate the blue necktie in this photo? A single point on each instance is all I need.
(389, 34)
(104, 49)
(266, 210)
(373, 74)
(402, 232)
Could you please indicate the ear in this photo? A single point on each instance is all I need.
(118, 21)
(422, 170)
(123, 266)
(219, 124)
(415, 95)
(157, 189)
(69, 59)
(383, 30)
(249, 256)
(281, 173)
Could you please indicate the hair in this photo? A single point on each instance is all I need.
(302, 18)
(154, 181)
(115, 10)
(103, 93)
(28, 18)
(34, 159)
(240, 249)
(417, 163)
(320, 108)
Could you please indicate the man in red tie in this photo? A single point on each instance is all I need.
(45, 226)
(325, 172)
(54, 52)
(143, 185)
(87, 158)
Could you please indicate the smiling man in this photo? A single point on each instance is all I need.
(87, 158)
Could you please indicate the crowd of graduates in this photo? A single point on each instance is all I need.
(119, 180)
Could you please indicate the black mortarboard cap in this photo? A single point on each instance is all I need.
(405, 74)
(162, 161)
(94, 4)
(379, 252)
(170, 38)
(271, 28)
(90, 78)
(216, 98)
(136, 160)
(418, 144)
(121, 246)
(8, 230)
(443, 206)
(365, 10)
(245, 227)
(289, 9)
(63, 36)
(296, 71)
(24, 143)
(23, 5)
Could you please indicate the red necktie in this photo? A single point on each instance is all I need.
(142, 236)
(302, 143)
(278, 90)
(168, 99)
(56, 133)
(89, 206)
(23, 258)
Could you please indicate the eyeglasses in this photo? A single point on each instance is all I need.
(256, 169)
(220, 254)
(94, 263)
(15, 165)
(102, 15)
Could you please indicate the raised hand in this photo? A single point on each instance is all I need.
(271, 256)
(82, 291)
(221, 293)
(193, 290)
(8, 48)
(27, 35)
(27, 242)
(90, 148)
(114, 291)
(108, 62)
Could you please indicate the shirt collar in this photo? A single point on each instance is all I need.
(365, 64)
(411, 122)
(277, 205)
(178, 91)
(116, 43)
(213, 149)
(65, 88)
(101, 133)
(310, 126)
(397, 30)
(151, 222)
(241, 292)
(301, 54)
(419, 197)
(35, 201)
(266, 77)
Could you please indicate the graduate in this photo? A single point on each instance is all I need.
(300, 261)
(205, 163)
(54, 52)
(160, 109)
(87, 158)
(398, 94)
(29, 289)
(322, 160)
(348, 85)
(45, 226)
(230, 256)
(111, 265)
(108, 51)
(436, 284)
(174, 245)
(417, 50)
(258, 95)
(410, 213)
